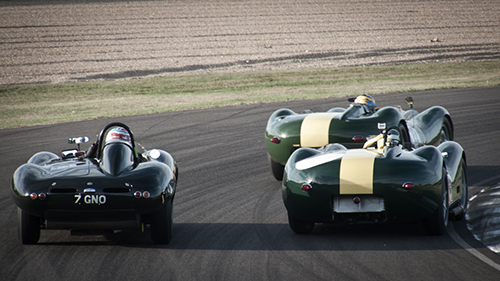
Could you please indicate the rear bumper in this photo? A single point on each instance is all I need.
(110, 219)
(399, 205)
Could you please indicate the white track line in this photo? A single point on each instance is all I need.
(469, 248)
(465, 245)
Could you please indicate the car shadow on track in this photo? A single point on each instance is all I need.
(273, 237)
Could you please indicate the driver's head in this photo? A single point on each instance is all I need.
(118, 134)
(392, 138)
(367, 102)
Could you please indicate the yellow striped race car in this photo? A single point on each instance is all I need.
(286, 130)
(386, 183)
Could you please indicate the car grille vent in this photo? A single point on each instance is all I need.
(116, 190)
(63, 190)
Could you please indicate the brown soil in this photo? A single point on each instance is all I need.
(65, 41)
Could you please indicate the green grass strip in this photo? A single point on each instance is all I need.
(27, 105)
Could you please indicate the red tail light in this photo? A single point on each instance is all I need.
(42, 196)
(275, 140)
(137, 194)
(306, 187)
(146, 194)
(357, 138)
(33, 196)
(407, 185)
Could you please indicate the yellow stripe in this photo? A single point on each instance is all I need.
(315, 129)
(356, 172)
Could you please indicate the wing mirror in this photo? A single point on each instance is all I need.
(79, 140)
(73, 153)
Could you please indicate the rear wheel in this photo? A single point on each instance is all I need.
(300, 227)
(464, 199)
(28, 227)
(436, 224)
(161, 224)
(405, 136)
(276, 168)
(446, 131)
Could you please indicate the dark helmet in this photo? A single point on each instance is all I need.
(117, 152)
(367, 101)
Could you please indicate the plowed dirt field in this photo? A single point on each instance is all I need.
(65, 41)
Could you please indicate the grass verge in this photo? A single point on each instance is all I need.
(27, 105)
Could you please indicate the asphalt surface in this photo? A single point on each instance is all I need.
(229, 219)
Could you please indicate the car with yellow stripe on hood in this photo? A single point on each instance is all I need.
(351, 127)
(386, 183)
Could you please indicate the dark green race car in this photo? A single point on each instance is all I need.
(286, 130)
(384, 184)
(109, 187)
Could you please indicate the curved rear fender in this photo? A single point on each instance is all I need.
(164, 157)
(432, 155)
(29, 178)
(280, 113)
(276, 117)
(302, 153)
(452, 153)
(43, 157)
(430, 122)
(389, 112)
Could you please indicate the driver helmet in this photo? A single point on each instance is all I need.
(392, 138)
(367, 101)
(118, 134)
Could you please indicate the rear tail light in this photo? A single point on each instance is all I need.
(407, 185)
(306, 187)
(145, 194)
(275, 140)
(357, 138)
(40, 196)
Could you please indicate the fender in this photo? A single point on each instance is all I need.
(43, 157)
(432, 120)
(453, 153)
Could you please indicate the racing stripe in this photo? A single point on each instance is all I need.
(356, 172)
(315, 129)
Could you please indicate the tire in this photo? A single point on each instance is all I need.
(405, 136)
(28, 227)
(161, 224)
(464, 200)
(300, 227)
(436, 224)
(446, 131)
(276, 168)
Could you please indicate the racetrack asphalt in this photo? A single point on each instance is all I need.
(229, 219)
